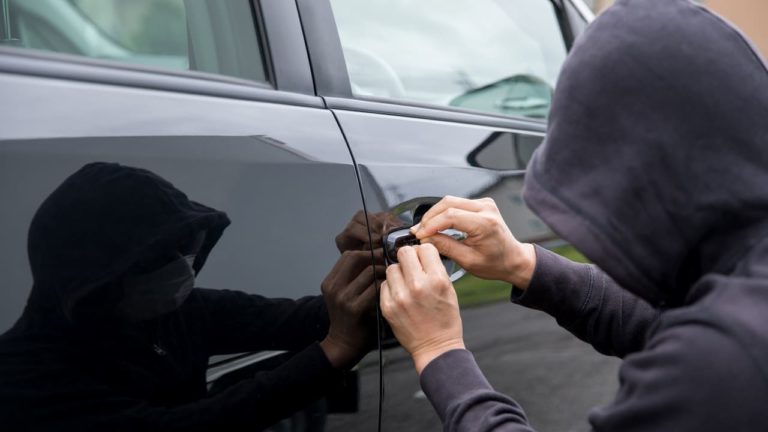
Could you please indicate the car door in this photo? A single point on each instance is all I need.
(218, 98)
(450, 97)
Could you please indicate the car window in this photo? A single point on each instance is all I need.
(203, 35)
(498, 56)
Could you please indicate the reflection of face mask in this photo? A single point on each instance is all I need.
(153, 294)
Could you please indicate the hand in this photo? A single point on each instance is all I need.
(420, 304)
(354, 237)
(350, 296)
(490, 251)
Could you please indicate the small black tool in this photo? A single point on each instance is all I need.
(395, 239)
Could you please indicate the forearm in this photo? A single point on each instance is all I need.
(252, 404)
(588, 303)
(239, 322)
(464, 399)
(272, 395)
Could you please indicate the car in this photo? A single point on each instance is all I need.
(291, 116)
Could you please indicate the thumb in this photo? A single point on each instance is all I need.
(450, 247)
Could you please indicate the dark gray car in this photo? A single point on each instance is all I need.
(291, 116)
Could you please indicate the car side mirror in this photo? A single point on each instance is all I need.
(505, 151)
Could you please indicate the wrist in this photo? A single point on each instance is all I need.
(521, 267)
(339, 355)
(424, 356)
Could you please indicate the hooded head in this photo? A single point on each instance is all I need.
(656, 159)
(106, 222)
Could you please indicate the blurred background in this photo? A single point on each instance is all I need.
(749, 15)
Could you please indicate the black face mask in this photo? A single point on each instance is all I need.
(150, 295)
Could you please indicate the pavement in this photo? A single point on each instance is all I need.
(523, 353)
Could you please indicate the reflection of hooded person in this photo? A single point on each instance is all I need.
(656, 167)
(114, 337)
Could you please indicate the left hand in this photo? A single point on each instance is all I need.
(420, 304)
(350, 297)
(354, 237)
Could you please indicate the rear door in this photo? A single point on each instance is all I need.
(450, 97)
(192, 91)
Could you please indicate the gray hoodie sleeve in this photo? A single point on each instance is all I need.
(588, 303)
(691, 373)
(584, 301)
(691, 376)
(465, 400)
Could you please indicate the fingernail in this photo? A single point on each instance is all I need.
(415, 228)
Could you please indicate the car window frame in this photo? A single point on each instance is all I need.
(332, 81)
(287, 69)
(581, 12)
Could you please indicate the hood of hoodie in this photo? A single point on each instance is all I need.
(655, 165)
(97, 224)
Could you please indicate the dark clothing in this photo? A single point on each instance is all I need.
(70, 364)
(701, 367)
(655, 166)
(655, 162)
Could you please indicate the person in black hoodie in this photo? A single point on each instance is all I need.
(115, 336)
(655, 166)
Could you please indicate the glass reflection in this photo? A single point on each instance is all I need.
(116, 335)
(498, 56)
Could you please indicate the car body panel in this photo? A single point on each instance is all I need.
(252, 159)
(289, 160)
(406, 162)
(411, 154)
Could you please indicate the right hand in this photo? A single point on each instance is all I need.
(420, 304)
(490, 251)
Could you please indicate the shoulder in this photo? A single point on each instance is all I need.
(693, 374)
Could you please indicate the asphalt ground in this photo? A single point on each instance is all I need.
(523, 353)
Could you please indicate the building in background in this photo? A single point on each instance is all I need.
(748, 15)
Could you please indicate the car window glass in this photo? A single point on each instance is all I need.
(210, 36)
(498, 56)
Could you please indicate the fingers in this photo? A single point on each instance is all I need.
(385, 300)
(366, 299)
(428, 227)
(351, 283)
(360, 283)
(423, 316)
(393, 287)
(451, 202)
(354, 236)
(359, 216)
(330, 278)
(430, 261)
(452, 248)
(378, 257)
(352, 262)
(419, 267)
(345, 269)
(377, 221)
(463, 220)
(410, 265)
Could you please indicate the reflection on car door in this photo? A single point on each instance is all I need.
(276, 162)
(289, 191)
